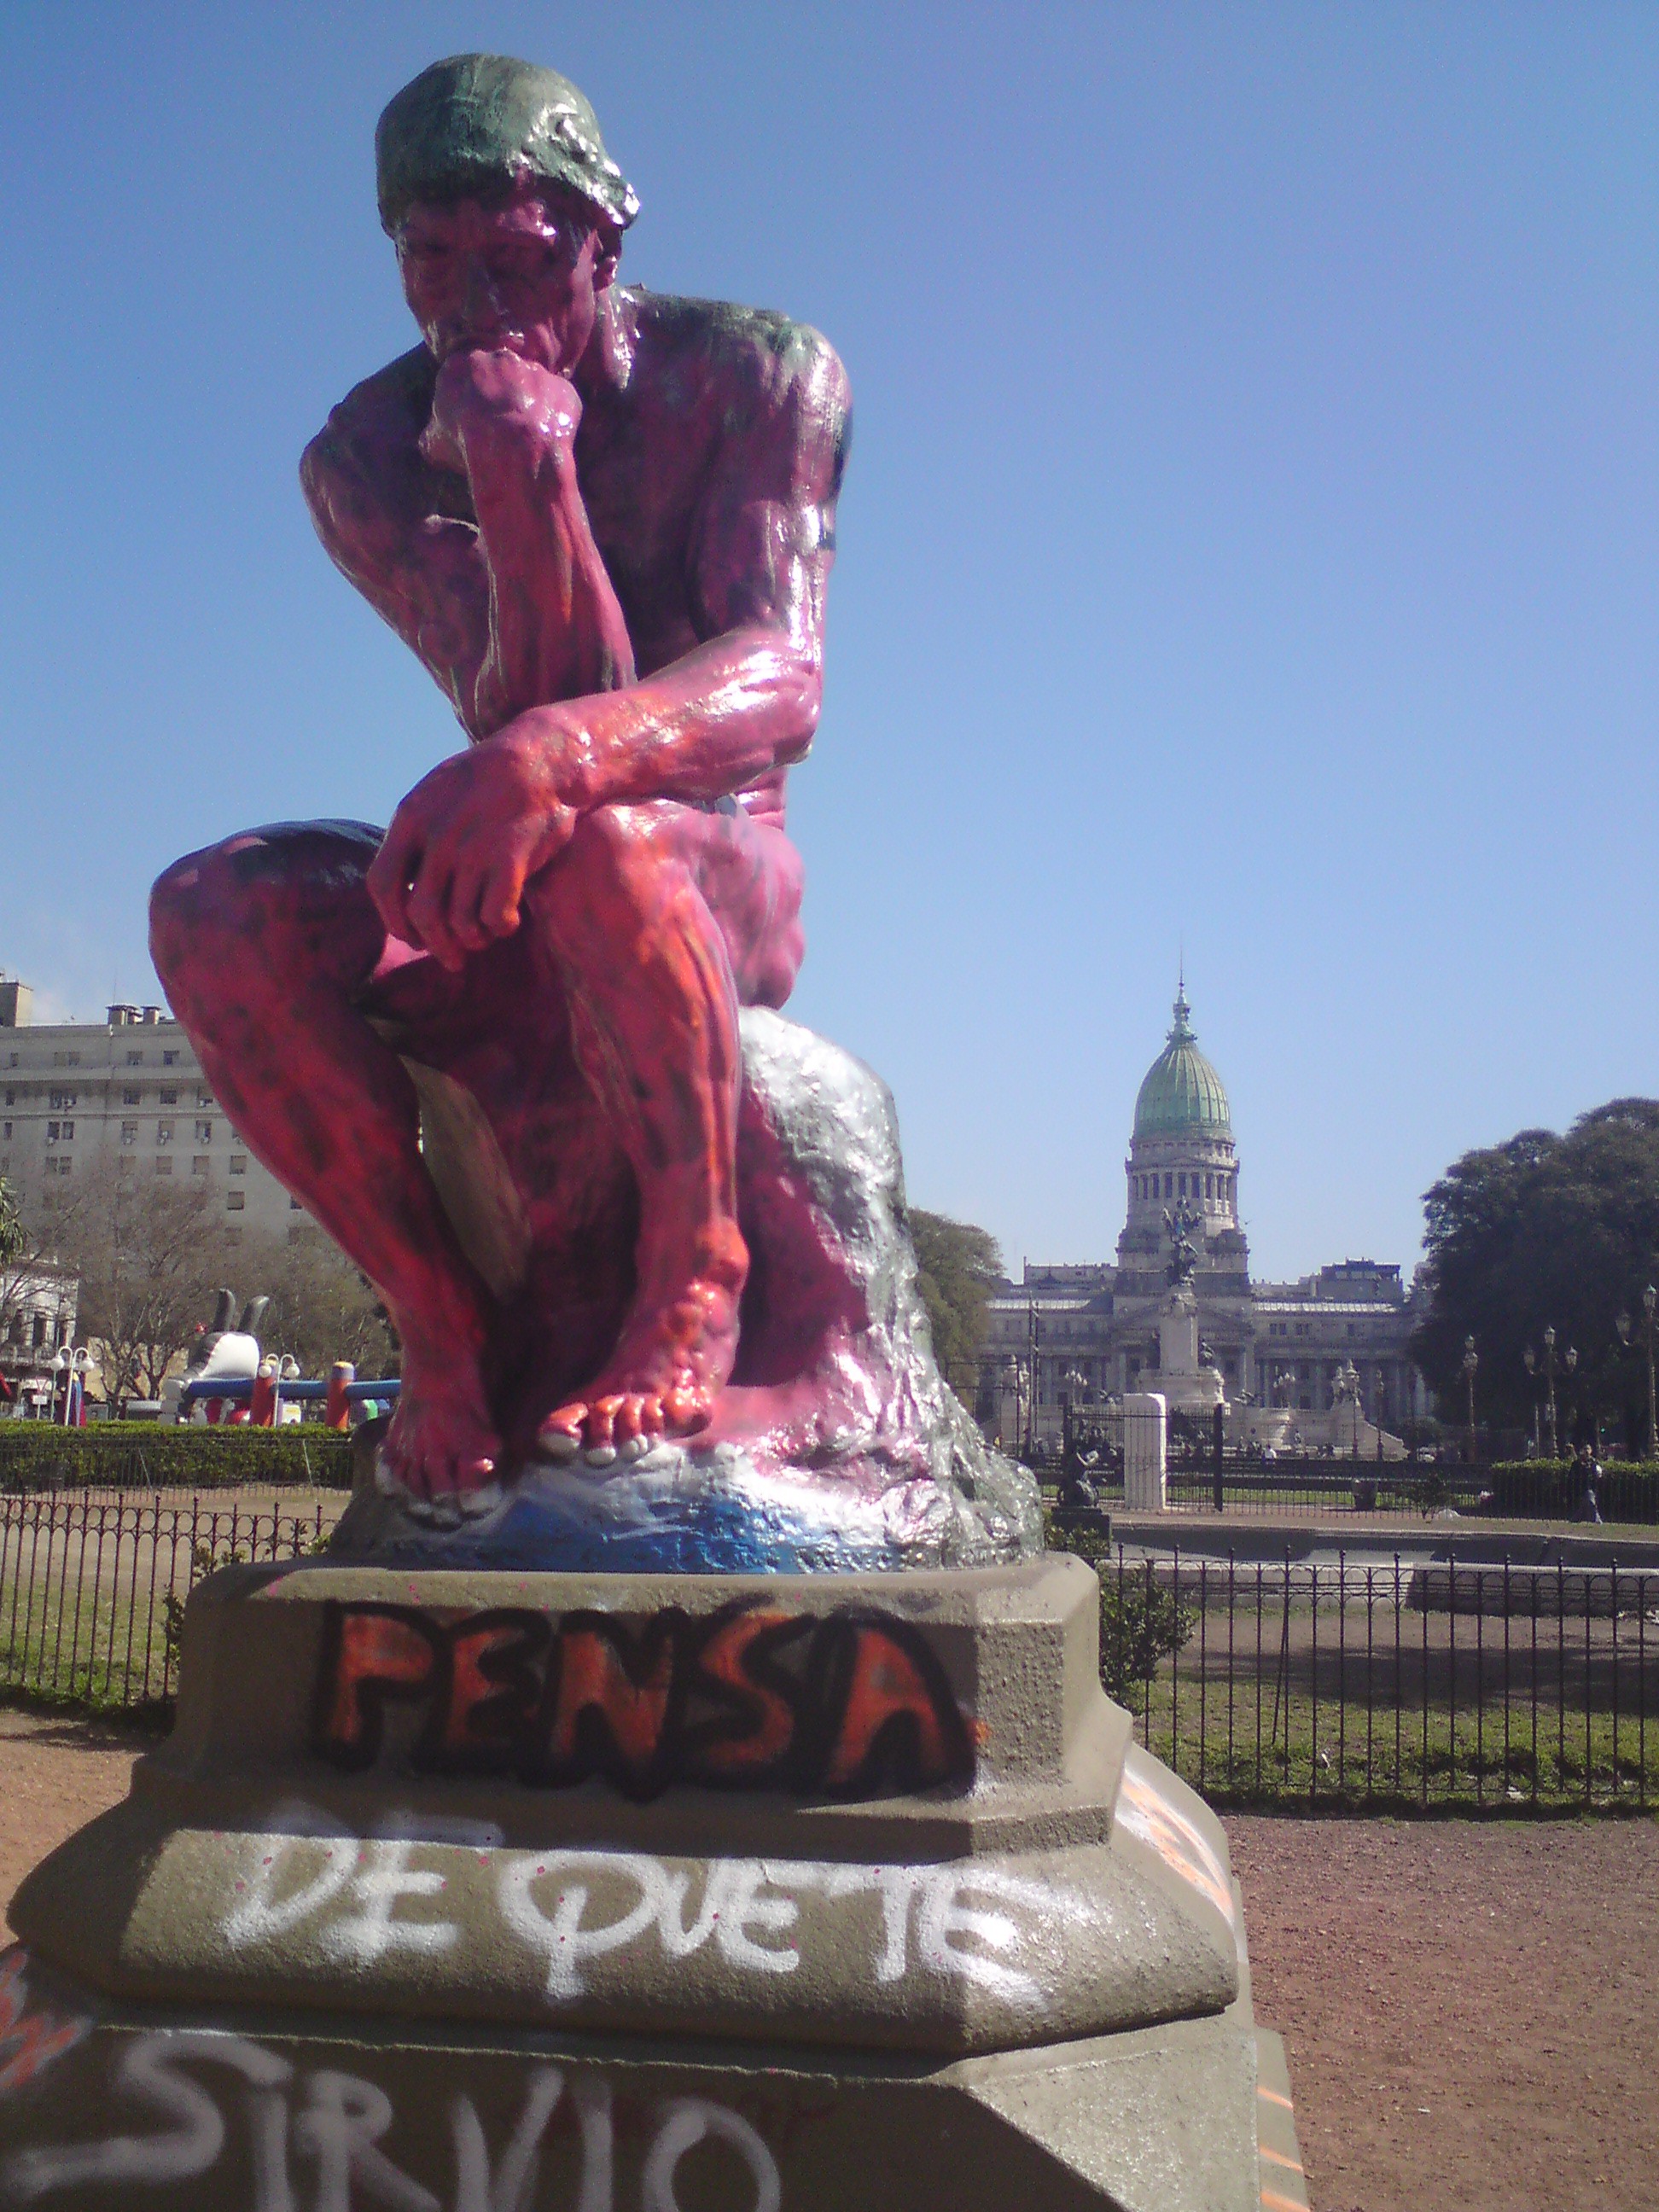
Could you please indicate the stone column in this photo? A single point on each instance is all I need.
(1144, 1434)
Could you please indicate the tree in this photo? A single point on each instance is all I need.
(151, 1252)
(959, 1267)
(14, 1237)
(1541, 1231)
(322, 1307)
(29, 1251)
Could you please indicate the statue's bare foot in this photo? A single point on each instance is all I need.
(671, 1364)
(442, 1449)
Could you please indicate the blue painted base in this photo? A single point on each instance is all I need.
(676, 1512)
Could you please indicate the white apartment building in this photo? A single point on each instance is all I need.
(75, 1094)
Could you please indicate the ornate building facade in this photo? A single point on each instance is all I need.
(1090, 1332)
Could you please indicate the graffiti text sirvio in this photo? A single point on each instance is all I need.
(842, 1704)
(256, 2119)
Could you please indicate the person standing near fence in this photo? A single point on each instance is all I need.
(1589, 1484)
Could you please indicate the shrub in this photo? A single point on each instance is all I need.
(1143, 1619)
(1550, 1489)
(142, 1454)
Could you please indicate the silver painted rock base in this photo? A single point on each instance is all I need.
(838, 1446)
(501, 1891)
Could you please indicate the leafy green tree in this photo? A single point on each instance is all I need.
(959, 1268)
(30, 1248)
(14, 1237)
(1545, 1230)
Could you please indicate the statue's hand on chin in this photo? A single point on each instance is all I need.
(451, 872)
(485, 395)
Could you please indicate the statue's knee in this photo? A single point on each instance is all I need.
(609, 860)
(257, 900)
(184, 911)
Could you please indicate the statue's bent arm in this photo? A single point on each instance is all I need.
(377, 507)
(743, 704)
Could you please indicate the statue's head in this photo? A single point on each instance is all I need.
(506, 210)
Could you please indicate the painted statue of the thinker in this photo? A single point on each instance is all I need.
(604, 519)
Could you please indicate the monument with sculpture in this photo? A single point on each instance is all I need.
(686, 1781)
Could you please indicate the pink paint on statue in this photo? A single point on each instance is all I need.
(602, 519)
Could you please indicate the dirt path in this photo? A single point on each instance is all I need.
(54, 1774)
(1471, 2010)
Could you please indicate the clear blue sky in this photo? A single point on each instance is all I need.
(1251, 538)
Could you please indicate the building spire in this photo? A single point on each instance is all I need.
(1182, 1029)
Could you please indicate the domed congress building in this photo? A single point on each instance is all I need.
(1092, 1331)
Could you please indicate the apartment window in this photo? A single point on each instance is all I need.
(169, 1060)
(135, 1060)
(169, 1097)
(205, 1132)
(60, 1167)
(11, 1060)
(164, 1132)
(125, 1167)
(11, 1097)
(60, 1132)
(63, 1102)
(66, 1060)
(164, 1167)
(200, 1165)
(9, 1132)
(204, 1098)
(293, 1205)
(239, 1163)
(129, 1133)
(235, 1200)
(1168, 1186)
(130, 1097)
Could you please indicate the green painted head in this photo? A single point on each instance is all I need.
(477, 123)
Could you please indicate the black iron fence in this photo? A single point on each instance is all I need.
(93, 1586)
(1386, 1682)
(1394, 1490)
(1390, 1684)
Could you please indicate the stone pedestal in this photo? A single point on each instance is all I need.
(1144, 1448)
(516, 1893)
(1187, 1386)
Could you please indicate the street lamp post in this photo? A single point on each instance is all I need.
(72, 1362)
(1549, 1371)
(1649, 1304)
(1529, 1359)
(1471, 1361)
(285, 1370)
(1034, 1332)
(1573, 1372)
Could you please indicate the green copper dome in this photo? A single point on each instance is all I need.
(1182, 1095)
